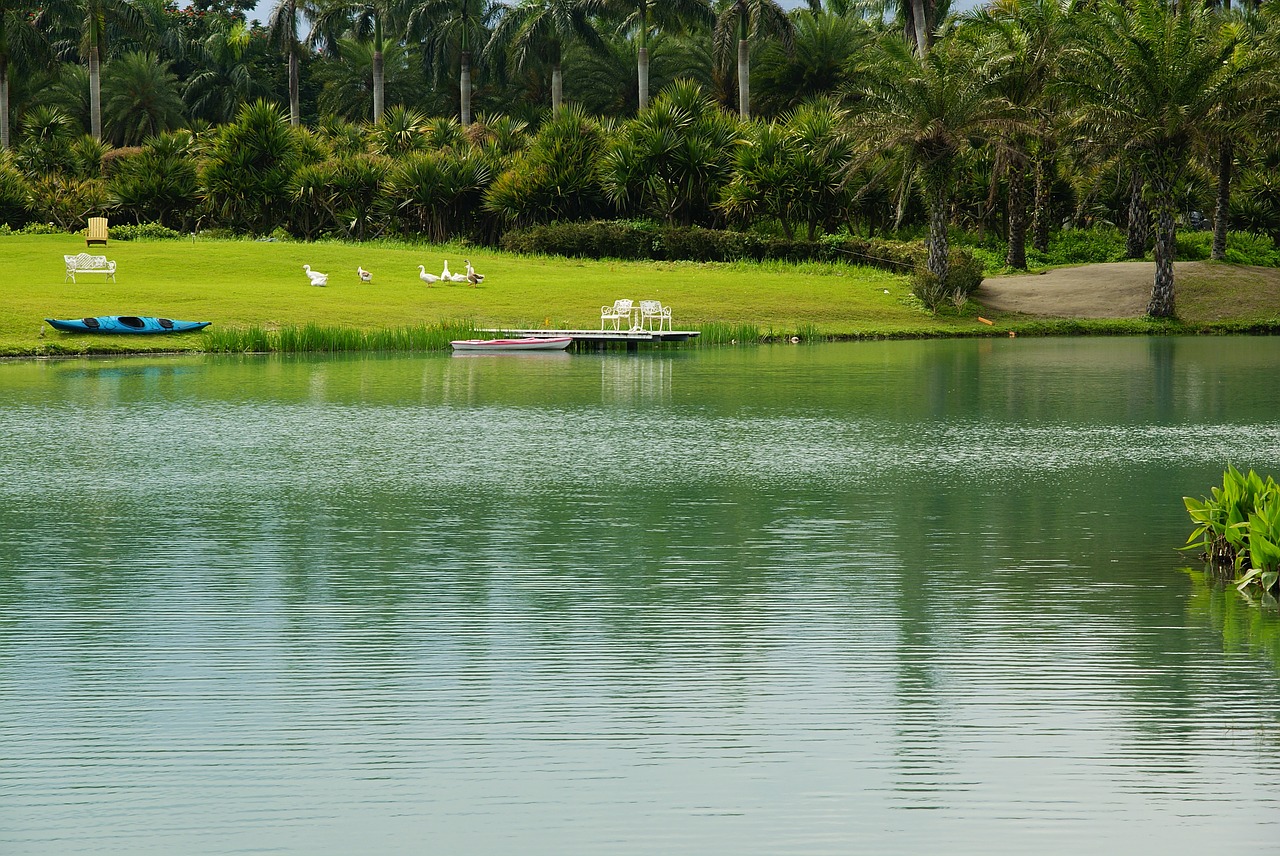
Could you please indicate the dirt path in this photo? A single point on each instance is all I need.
(1113, 290)
(1205, 291)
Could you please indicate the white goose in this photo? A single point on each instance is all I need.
(365, 276)
(428, 278)
(473, 277)
(444, 274)
(317, 278)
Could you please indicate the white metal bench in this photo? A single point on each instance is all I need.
(651, 310)
(618, 312)
(85, 263)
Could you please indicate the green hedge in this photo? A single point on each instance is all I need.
(615, 239)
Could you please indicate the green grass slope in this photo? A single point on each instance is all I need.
(244, 284)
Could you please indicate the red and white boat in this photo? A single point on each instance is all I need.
(529, 343)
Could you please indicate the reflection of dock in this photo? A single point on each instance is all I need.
(604, 338)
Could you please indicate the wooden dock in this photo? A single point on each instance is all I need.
(602, 338)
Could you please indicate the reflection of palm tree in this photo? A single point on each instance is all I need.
(441, 24)
(541, 29)
(140, 98)
(749, 18)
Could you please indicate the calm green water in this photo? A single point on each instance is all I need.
(891, 598)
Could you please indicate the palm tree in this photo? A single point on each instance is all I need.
(20, 40)
(930, 109)
(750, 18)
(541, 29)
(366, 22)
(140, 98)
(93, 19)
(1147, 82)
(442, 25)
(283, 27)
(1031, 37)
(1236, 116)
(347, 79)
(226, 79)
(824, 49)
(641, 16)
(674, 158)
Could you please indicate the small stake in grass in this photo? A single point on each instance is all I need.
(985, 321)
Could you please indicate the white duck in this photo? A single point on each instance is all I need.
(428, 278)
(317, 278)
(365, 276)
(473, 277)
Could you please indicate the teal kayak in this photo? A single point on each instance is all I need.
(126, 324)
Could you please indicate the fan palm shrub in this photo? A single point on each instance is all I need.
(15, 194)
(790, 170)
(557, 178)
(673, 160)
(247, 172)
(158, 184)
(439, 194)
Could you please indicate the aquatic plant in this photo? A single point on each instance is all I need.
(1238, 528)
(316, 338)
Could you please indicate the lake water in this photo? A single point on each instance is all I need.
(891, 598)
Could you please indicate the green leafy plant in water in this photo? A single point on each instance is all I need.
(1238, 527)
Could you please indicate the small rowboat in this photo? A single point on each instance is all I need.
(125, 324)
(530, 343)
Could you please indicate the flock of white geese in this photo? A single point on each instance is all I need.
(470, 277)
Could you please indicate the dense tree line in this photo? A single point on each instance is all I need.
(463, 118)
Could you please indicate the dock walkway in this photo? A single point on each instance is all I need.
(603, 338)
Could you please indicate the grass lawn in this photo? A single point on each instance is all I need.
(245, 284)
(260, 286)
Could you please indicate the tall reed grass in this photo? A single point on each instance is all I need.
(316, 338)
(717, 333)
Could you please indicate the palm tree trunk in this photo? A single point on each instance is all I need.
(1017, 255)
(464, 84)
(1043, 203)
(557, 88)
(95, 94)
(377, 85)
(921, 26)
(377, 69)
(1139, 220)
(1161, 305)
(642, 74)
(939, 262)
(744, 79)
(1222, 210)
(295, 108)
(4, 104)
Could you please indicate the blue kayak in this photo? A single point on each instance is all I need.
(126, 324)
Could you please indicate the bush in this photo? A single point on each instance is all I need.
(931, 290)
(130, 232)
(624, 239)
(40, 229)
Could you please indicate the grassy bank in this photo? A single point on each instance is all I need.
(258, 297)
